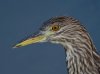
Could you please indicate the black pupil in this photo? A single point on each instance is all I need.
(55, 28)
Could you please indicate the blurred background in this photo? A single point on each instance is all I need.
(20, 18)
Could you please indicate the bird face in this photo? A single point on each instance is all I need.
(47, 33)
(53, 30)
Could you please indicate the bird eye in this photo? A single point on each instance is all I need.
(55, 28)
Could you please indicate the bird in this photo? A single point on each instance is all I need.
(81, 54)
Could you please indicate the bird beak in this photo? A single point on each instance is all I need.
(30, 40)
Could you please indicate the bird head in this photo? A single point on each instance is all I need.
(55, 30)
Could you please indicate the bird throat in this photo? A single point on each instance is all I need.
(79, 61)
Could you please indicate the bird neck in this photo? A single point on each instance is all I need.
(80, 59)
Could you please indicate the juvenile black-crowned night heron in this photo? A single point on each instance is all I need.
(81, 55)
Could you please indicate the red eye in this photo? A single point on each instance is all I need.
(55, 27)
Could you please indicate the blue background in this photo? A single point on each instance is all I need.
(19, 18)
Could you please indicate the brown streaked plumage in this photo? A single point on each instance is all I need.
(81, 54)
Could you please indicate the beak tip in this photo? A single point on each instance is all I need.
(17, 46)
(14, 47)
